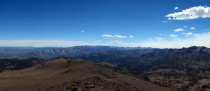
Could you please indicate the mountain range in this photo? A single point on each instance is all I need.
(52, 52)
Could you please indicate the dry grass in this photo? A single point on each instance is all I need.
(56, 75)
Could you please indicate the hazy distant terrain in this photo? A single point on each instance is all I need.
(53, 52)
(15, 52)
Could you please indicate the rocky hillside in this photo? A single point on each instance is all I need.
(66, 74)
(180, 69)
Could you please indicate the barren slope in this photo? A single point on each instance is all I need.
(58, 74)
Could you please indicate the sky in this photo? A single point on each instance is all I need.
(127, 23)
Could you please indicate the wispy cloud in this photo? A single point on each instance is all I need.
(196, 35)
(206, 29)
(187, 34)
(115, 36)
(82, 31)
(107, 35)
(173, 35)
(192, 28)
(191, 13)
(95, 42)
(201, 40)
(116, 42)
(131, 36)
(42, 43)
(119, 36)
(176, 8)
(178, 30)
(185, 26)
(164, 21)
(158, 38)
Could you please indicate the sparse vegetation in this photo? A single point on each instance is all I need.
(67, 73)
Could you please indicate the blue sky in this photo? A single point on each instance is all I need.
(65, 23)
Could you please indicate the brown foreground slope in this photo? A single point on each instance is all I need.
(60, 74)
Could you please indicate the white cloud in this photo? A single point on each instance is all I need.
(164, 21)
(82, 31)
(115, 36)
(192, 28)
(119, 36)
(176, 8)
(191, 13)
(185, 26)
(190, 33)
(173, 35)
(131, 36)
(178, 30)
(106, 35)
